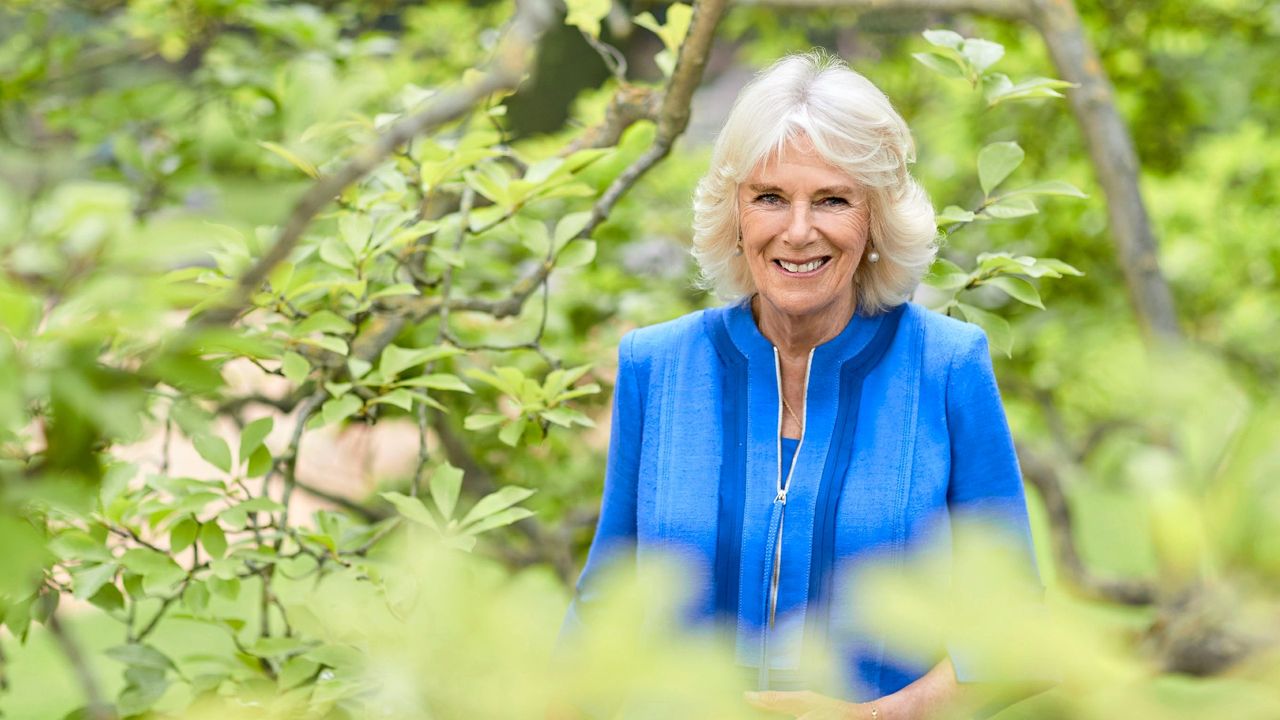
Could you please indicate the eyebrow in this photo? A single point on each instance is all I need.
(830, 190)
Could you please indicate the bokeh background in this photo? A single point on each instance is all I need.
(359, 477)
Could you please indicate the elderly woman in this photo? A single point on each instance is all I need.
(820, 420)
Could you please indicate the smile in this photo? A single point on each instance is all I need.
(805, 268)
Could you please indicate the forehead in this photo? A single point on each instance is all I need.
(797, 164)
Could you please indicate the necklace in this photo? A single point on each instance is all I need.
(787, 405)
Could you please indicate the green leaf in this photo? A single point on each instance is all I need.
(534, 236)
(1010, 207)
(228, 588)
(566, 417)
(292, 158)
(586, 15)
(1045, 266)
(399, 397)
(446, 483)
(76, 544)
(1017, 288)
(328, 342)
(944, 38)
(995, 162)
(576, 254)
(437, 381)
(182, 535)
(358, 368)
(214, 450)
(997, 328)
(253, 435)
(108, 598)
(982, 54)
(482, 421)
(412, 509)
(213, 540)
(511, 432)
(569, 226)
(944, 66)
(140, 655)
(88, 580)
(499, 519)
(501, 499)
(341, 408)
(259, 462)
(337, 254)
(946, 275)
(395, 359)
(324, 321)
(395, 290)
(1048, 187)
(196, 597)
(295, 368)
(954, 214)
(673, 32)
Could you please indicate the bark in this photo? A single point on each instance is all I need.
(1115, 162)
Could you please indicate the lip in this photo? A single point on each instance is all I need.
(787, 273)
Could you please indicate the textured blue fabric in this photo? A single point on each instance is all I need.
(694, 459)
(789, 446)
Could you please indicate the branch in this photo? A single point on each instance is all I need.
(1115, 162)
(95, 707)
(1044, 476)
(504, 73)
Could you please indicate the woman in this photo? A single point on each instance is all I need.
(820, 421)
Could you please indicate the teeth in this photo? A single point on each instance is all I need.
(792, 267)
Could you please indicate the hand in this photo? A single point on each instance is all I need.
(807, 705)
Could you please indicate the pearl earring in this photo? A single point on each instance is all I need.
(873, 256)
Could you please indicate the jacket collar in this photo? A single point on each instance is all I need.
(853, 339)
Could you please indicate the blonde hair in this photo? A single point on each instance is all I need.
(852, 125)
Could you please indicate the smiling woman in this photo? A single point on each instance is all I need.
(820, 421)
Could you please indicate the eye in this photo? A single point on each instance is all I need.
(834, 202)
(768, 198)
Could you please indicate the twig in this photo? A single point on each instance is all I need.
(504, 73)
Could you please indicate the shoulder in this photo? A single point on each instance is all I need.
(947, 343)
(657, 341)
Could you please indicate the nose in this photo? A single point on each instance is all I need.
(800, 230)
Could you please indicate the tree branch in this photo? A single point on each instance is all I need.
(504, 73)
(94, 705)
(1045, 478)
(1115, 162)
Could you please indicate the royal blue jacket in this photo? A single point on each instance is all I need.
(903, 428)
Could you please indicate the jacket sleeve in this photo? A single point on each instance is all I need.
(615, 536)
(985, 488)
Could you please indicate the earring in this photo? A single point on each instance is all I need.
(738, 249)
(873, 256)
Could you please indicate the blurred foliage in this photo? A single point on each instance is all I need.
(147, 148)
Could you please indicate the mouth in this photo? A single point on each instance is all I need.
(802, 268)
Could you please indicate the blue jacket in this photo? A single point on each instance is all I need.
(902, 423)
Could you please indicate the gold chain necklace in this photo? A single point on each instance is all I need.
(787, 405)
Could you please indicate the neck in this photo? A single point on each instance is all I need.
(796, 335)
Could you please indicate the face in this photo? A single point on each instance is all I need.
(804, 228)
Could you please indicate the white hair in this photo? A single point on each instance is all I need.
(852, 125)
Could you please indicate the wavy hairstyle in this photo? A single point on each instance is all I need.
(852, 125)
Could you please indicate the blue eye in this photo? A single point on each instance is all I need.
(768, 198)
(835, 201)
